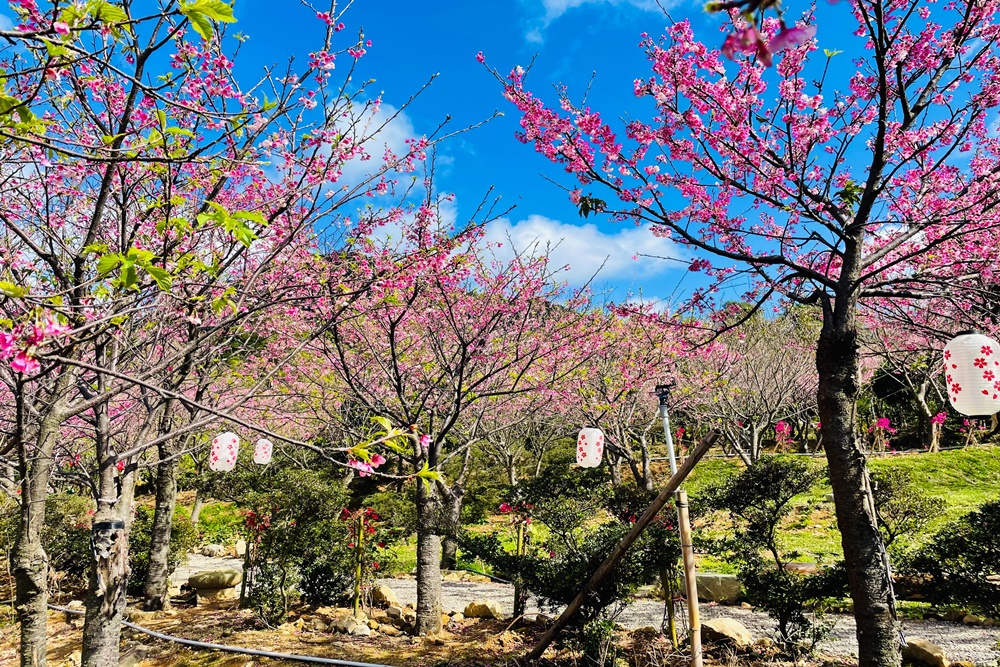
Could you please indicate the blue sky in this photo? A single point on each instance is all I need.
(570, 40)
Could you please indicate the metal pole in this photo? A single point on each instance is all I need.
(684, 528)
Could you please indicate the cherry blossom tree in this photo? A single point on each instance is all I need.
(430, 350)
(824, 185)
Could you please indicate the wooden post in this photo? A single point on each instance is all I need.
(637, 528)
(690, 577)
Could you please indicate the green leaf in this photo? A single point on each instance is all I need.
(181, 131)
(10, 289)
(252, 216)
(162, 117)
(104, 11)
(831, 53)
(201, 13)
(429, 475)
(108, 263)
(161, 276)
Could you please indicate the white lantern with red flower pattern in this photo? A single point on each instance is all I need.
(972, 373)
(262, 452)
(222, 455)
(589, 447)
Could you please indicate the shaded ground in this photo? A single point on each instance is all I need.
(961, 642)
(468, 643)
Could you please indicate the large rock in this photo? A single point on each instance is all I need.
(215, 579)
(213, 550)
(240, 548)
(483, 609)
(727, 631)
(383, 596)
(920, 650)
(723, 588)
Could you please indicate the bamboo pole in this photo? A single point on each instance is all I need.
(690, 578)
(637, 528)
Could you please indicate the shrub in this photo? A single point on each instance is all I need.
(757, 500)
(66, 537)
(963, 560)
(902, 510)
(183, 538)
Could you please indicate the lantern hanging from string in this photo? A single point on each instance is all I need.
(222, 456)
(589, 447)
(972, 373)
(262, 452)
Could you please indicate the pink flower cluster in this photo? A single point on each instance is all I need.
(21, 345)
(365, 468)
(749, 40)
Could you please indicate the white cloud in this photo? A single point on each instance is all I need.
(585, 248)
(385, 127)
(556, 8)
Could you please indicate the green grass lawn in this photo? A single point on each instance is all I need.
(964, 479)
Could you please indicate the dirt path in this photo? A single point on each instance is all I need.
(977, 645)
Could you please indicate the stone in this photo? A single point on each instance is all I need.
(360, 630)
(920, 650)
(345, 623)
(989, 622)
(215, 579)
(75, 658)
(374, 625)
(457, 617)
(972, 619)
(727, 631)
(723, 588)
(445, 619)
(483, 609)
(389, 630)
(383, 596)
(802, 568)
(451, 576)
(648, 630)
(241, 548)
(828, 498)
(394, 612)
(319, 625)
(954, 615)
(764, 643)
(543, 620)
(213, 550)
(962, 663)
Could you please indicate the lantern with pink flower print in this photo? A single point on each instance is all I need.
(222, 455)
(262, 452)
(972, 373)
(589, 447)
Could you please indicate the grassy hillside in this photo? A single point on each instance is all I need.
(964, 479)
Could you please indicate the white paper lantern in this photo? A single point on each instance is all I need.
(222, 455)
(972, 372)
(589, 447)
(262, 452)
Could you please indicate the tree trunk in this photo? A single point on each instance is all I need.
(451, 521)
(616, 473)
(199, 502)
(106, 598)
(31, 563)
(837, 362)
(647, 463)
(157, 578)
(428, 560)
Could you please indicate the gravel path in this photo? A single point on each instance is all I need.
(977, 645)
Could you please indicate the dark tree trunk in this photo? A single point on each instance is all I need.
(155, 589)
(428, 560)
(837, 362)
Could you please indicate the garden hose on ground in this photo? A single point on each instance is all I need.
(232, 649)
